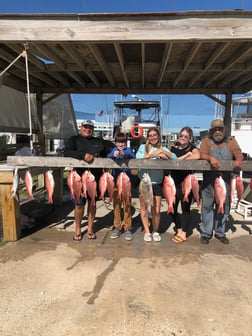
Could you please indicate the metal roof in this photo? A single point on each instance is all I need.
(177, 52)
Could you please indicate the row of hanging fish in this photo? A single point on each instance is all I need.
(190, 183)
(49, 180)
(86, 185)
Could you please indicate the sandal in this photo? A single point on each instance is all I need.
(177, 239)
(91, 235)
(77, 237)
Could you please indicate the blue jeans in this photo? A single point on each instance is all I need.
(209, 217)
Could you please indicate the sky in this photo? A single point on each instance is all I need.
(197, 110)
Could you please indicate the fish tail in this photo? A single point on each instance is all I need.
(170, 209)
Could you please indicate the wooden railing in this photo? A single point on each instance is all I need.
(57, 162)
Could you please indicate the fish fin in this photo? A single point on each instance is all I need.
(170, 209)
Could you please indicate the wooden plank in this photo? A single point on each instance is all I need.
(11, 215)
(6, 176)
(50, 162)
(128, 27)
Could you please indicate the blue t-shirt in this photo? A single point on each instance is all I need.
(128, 154)
(156, 175)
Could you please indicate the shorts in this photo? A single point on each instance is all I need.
(157, 189)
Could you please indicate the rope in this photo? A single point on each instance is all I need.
(28, 96)
(15, 60)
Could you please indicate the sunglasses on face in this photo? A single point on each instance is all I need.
(184, 136)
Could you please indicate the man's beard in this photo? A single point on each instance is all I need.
(218, 138)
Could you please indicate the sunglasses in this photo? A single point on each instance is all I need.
(184, 136)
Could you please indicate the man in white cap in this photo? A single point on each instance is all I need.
(217, 146)
(85, 147)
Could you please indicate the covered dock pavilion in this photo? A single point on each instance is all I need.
(199, 52)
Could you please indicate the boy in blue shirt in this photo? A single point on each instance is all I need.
(120, 151)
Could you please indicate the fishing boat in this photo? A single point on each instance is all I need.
(135, 118)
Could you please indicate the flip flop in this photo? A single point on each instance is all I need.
(91, 235)
(177, 239)
(77, 237)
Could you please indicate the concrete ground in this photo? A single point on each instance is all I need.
(51, 285)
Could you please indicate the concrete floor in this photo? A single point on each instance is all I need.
(51, 285)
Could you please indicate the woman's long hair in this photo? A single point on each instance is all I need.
(148, 145)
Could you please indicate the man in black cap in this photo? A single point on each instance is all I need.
(217, 146)
(85, 147)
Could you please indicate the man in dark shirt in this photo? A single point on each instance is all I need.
(85, 147)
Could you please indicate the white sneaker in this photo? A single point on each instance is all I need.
(156, 236)
(148, 237)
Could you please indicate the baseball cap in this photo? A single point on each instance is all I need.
(87, 123)
(217, 123)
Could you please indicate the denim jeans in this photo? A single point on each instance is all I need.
(210, 219)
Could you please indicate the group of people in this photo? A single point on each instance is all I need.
(217, 146)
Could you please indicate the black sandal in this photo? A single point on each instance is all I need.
(77, 237)
(91, 235)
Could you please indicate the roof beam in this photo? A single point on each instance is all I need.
(51, 55)
(228, 79)
(37, 63)
(103, 64)
(232, 60)
(222, 47)
(165, 59)
(72, 52)
(189, 58)
(121, 61)
(33, 78)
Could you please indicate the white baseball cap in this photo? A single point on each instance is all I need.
(87, 123)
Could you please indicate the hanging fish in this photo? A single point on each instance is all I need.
(77, 186)
(124, 187)
(220, 193)
(15, 184)
(50, 184)
(195, 189)
(28, 184)
(187, 187)
(145, 189)
(91, 187)
(169, 191)
(70, 183)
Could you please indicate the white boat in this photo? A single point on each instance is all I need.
(242, 123)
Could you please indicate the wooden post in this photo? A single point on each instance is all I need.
(11, 215)
(227, 117)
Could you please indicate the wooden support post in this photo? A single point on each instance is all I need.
(11, 214)
(228, 117)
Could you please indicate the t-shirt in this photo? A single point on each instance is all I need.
(179, 175)
(156, 175)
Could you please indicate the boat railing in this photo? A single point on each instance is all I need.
(242, 123)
